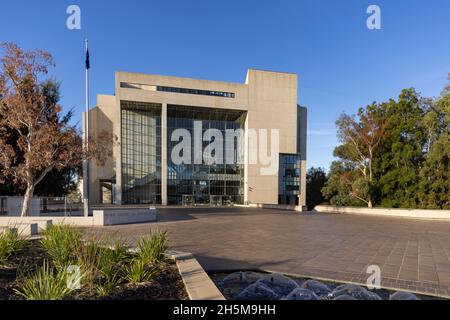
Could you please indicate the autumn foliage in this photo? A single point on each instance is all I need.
(31, 118)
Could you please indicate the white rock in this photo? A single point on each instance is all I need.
(400, 295)
(257, 291)
(356, 292)
(317, 287)
(345, 297)
(279, 283)
(301, 294)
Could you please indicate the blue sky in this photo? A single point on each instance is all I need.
(341, 64)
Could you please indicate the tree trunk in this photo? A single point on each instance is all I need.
(369, 204)
(27, 201)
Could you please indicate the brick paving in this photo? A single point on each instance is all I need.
(412, 254)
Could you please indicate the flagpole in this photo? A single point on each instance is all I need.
(86, 140)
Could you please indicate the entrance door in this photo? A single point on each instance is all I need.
(201, 191)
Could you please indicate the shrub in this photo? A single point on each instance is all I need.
(10, 242)
(61, 243)
(152, 249)
(102, 265)
(139, 271)
(46, 284)
(88, 257)
(119, 251)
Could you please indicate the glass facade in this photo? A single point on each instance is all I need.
(205, 183)
(141, 152)
(289, 179)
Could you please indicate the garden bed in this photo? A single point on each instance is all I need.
(250, 285)
(107, 272)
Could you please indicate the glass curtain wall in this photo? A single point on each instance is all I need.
(202, 183)
(289, 179)
(141, 152)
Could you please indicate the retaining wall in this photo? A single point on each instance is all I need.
(405, 213)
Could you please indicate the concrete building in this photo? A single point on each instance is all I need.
(147, 109)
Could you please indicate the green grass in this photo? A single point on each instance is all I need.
(61, 243)
(152, 249)
(10, 242)
(46, 283)
(139, 271)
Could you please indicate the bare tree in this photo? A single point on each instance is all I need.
(45, 142)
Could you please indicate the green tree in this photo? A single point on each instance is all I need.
(402, 153)
(394, 154)
(434, 187)
(315, 181)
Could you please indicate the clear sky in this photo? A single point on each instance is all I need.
(341, 64)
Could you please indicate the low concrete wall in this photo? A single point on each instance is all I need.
(14, 206)
(101, 218)
(43, 222)
(406, 213)
(278, 207)
(197, 282)
(117, 217)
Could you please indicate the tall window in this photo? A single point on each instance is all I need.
(141, 152)
(289, 179)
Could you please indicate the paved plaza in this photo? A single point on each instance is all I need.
(413, 254)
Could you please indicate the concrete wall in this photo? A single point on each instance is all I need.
(405, 213)
(272, 104)
(121, 217)
(102, 119)
(107, 217)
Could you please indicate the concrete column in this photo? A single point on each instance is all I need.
(302, 132)
(164, 154)
(246, 160)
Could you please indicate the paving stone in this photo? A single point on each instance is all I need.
(237, 239)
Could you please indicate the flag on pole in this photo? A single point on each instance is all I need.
(88, 64)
